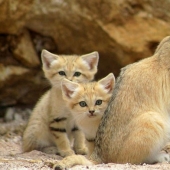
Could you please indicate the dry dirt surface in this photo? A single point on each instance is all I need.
(12, 158)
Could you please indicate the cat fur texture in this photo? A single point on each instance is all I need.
(136, 124)
(50, 123)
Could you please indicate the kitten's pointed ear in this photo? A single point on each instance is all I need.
(68, 88)
(107, 83)
(91, 59)
(47, 58)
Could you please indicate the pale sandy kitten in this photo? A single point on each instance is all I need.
(87, 102)
(51, 122)
(136, 124)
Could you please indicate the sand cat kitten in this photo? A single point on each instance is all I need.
(136, 124)
(51, 123)
(87, 102)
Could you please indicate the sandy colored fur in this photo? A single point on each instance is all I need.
(136, 124)
(90, 93)
(73, 93)
(51, 123)
(138, 112)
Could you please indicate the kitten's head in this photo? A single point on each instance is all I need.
(72, 67)
(88, 100)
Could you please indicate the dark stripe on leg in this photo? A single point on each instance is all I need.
(59, 119)
(55, 135)
(90, 140)
(75, 129)
(57, 129)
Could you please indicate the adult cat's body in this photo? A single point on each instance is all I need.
(51, 123)
(136, 124)
(87, 102)
(139, 113)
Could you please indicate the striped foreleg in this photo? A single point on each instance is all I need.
(58, 130)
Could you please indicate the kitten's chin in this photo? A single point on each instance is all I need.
(92, 116)
(81, 80)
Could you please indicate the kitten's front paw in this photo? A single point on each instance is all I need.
(81, 151)
(65, 153)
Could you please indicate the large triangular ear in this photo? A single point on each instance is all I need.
(91, 59)
(47, 58)
(69, 88)
(107, 83)
(163, 45)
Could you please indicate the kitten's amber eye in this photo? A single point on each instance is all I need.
(77, 74)
(83, 104)
(62, 73)
(98, 102)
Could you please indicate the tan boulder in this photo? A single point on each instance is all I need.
(25, 51)
(13, 15)
(122, 31)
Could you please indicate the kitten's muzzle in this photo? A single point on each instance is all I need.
(91, 112)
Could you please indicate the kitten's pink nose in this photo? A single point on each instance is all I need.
(91, 112)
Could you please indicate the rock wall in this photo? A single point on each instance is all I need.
(122, 31)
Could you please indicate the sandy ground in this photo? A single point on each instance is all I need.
(12, 158)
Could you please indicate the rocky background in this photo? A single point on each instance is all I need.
(122, 31)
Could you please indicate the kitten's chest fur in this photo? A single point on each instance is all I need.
(89, 126)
